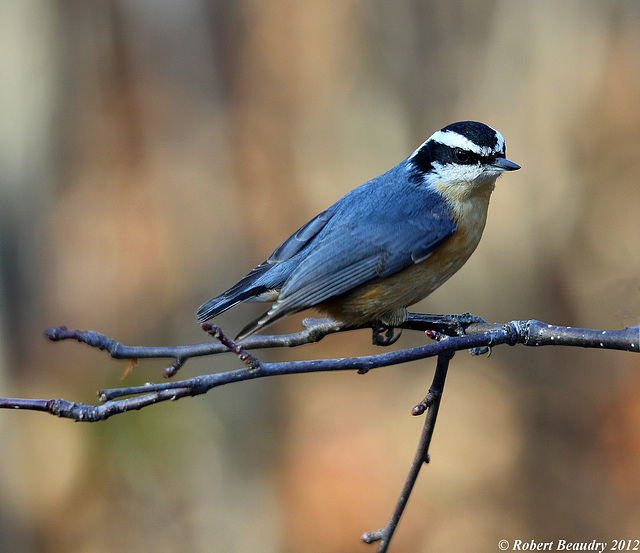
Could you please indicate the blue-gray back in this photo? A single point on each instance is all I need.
(376, 230)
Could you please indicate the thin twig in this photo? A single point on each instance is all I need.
(432, 401)
(241, 353)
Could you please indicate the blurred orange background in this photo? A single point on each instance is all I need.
(153, 152)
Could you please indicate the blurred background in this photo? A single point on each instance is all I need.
(152, 152)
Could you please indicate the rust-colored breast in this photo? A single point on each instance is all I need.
(376, 300)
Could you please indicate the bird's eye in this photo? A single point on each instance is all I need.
(462, 156)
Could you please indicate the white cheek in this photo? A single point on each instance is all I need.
(455, 173)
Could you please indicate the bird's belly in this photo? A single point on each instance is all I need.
(378, 300)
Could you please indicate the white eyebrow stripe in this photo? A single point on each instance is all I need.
(455, 140)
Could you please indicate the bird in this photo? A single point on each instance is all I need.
(385, 245)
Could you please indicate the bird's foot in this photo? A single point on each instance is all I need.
(384, 335)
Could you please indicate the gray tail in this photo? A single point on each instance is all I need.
(244, 290)
(218, 305)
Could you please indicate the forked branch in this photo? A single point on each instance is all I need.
(453, 333)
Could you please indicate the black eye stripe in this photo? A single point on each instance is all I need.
(447, 154)
(466, 157)
(433, 152)
(422, 160)
(461, 155)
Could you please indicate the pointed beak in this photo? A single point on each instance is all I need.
(502, 164)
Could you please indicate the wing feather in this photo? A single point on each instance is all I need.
(270, 274)
(360, 249)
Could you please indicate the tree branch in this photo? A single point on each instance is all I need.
(529, 333)
(452, 332)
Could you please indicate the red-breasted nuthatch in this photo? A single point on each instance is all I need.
(387, 244)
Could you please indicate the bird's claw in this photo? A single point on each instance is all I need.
(385, 335)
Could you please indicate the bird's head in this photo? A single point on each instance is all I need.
(465, 157)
